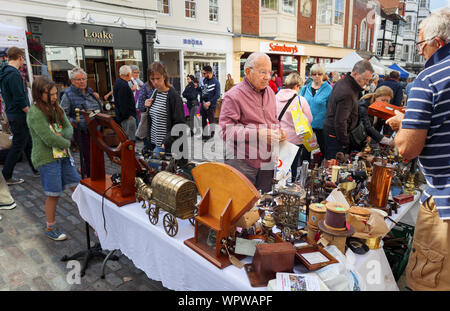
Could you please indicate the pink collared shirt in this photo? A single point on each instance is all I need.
(243, 111)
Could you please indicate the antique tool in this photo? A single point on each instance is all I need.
(177, 196)
(122, 155)
(380, 184)
(224, 201)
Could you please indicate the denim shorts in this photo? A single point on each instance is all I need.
(58, 175)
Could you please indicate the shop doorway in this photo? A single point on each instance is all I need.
(99, 70)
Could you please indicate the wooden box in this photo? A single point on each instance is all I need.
(403, 198)
(301, 255)
(383, 110)
(268, 260)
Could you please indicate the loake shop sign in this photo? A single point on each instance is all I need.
(101, 36)
(282, 48)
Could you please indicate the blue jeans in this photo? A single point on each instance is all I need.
(58, 175)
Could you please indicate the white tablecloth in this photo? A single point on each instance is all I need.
(178, 267)
(160, 256)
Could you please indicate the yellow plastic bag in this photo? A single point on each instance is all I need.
(303, 128)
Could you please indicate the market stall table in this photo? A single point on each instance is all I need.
(167, 259)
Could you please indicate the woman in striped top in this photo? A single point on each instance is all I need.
(165, 109)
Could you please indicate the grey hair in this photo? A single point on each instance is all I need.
(362, 66)
(134, 68)
(250, 62)
(437, 24)
(76, 71)
(317, 68)
(125, 70)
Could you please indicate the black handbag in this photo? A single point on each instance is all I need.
(358, 135)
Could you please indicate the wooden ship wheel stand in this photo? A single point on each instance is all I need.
(123, 155)
(222, 204)
(120, 194)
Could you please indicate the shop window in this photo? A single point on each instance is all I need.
(190, 8)
(379, 48)
(164, 6)
(270, 4)
(60, 62)
(129, 57)
(339, 12)
(324, 10)
(288, 6)
(213, 11)
(290, 64)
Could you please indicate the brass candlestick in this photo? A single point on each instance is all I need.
(268, 223)
(410, 186)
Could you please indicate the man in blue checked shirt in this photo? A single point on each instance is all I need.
(424, 132)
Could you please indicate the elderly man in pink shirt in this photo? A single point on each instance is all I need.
(293, 83)
(249, 124)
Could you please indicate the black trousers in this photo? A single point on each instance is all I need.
(333, 146)
(207, 115)
(21, 143)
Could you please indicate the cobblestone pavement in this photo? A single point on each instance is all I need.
(31, 261)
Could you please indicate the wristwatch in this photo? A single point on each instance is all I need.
(107, 106)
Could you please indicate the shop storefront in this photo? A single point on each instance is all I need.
(100, 50)
(186, 53)
(286, 57)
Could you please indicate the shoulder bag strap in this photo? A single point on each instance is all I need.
(286, 107)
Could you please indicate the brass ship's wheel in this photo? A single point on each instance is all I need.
(153, 215)
(170, 224)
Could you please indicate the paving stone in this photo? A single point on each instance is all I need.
(15, 252)
(16, 279)
(74, 220)
(41, 284)
(35, 255)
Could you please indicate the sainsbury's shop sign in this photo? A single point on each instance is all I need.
(278, 48)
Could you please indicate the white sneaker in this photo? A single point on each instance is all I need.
(14, 181)
(8, 206)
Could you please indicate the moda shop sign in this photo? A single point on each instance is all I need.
(281, 48)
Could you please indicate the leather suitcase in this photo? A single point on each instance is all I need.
(269, 259)
(383, 110)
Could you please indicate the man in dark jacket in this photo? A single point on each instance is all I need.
(14, 93)
(124, 102)
(342, 110)
(209, 97)
(393, 82)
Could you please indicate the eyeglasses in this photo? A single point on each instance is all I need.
(263, 72)
(81, 79)
(317, 74)
(419, 44)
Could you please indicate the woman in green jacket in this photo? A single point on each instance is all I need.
(51, 132)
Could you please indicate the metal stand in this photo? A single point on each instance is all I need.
(96, 250)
